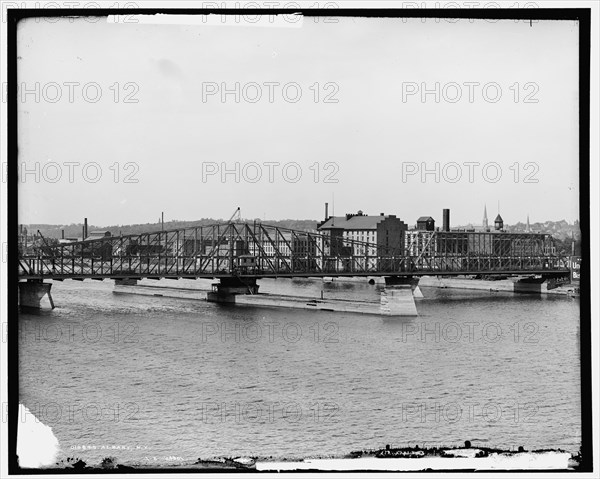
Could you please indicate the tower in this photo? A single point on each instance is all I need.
(499, 223)
(485, 219)
(528, 228)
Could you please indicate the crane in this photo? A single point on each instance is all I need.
(237, 213)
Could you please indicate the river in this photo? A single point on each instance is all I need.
(153, 380)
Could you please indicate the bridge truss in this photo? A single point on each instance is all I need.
(256, 250)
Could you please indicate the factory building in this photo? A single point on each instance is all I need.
(424, 241)
(494, 243)
(419, 242)
(271, 247)
(362, 235)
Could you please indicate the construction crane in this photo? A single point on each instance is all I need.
(237, 213)
(49, 249)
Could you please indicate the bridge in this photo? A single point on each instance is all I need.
(240, 253)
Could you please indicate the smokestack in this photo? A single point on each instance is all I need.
(85, 228)
(326, 211)
(446, 222)
(62, 234)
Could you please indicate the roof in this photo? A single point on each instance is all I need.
(498, 218)
(358, 222)
(425, 218)
(97, 235)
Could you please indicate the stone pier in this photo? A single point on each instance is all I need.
(530, 285)
(126, 282)
(226, 289)
(31, 293)
(398, 298)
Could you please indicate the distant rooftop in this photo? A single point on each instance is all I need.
(97, 234)
(355, 221)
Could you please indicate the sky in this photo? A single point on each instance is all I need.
(129, 119)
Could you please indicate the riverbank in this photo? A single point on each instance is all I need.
(466, 458)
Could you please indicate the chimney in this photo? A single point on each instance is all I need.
(381, 214)
(446, 221)
(85, 228)
(62, 234)
(326, 211)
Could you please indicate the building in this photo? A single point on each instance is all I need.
(493, 243)
(365, 237)
(472, 242)
(102, 250)
(94, 235)
(498, 223)
(426, 223)
(419, 242)
(279, 245)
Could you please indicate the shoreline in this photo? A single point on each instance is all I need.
(413, 459)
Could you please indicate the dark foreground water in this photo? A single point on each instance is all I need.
(153, 380)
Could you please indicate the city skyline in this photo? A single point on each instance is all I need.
(526, 220)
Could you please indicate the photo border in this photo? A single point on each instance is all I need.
(583, 15)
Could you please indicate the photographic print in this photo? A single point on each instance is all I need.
(277, 237)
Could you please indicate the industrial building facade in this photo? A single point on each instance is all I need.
(363, 236)
(376, 237)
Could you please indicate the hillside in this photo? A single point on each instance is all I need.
(74, 230)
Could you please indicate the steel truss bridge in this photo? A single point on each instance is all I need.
(255, 250)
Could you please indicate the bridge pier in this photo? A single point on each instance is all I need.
(539, 285)
(227, 288)
(398, 298)
(126, 282)
(405, 280)
(31, 293)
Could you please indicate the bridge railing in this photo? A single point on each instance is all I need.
(193, 267)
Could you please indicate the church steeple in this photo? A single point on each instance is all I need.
(485, 218)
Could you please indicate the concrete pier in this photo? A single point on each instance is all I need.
(227, 288)
(394, 301)
(398, 300)
(31, 293)
(530, 285)
(126, 282)
(511, 285)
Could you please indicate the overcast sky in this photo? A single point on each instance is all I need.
(373, 135)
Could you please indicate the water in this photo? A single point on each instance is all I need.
(155, 380)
